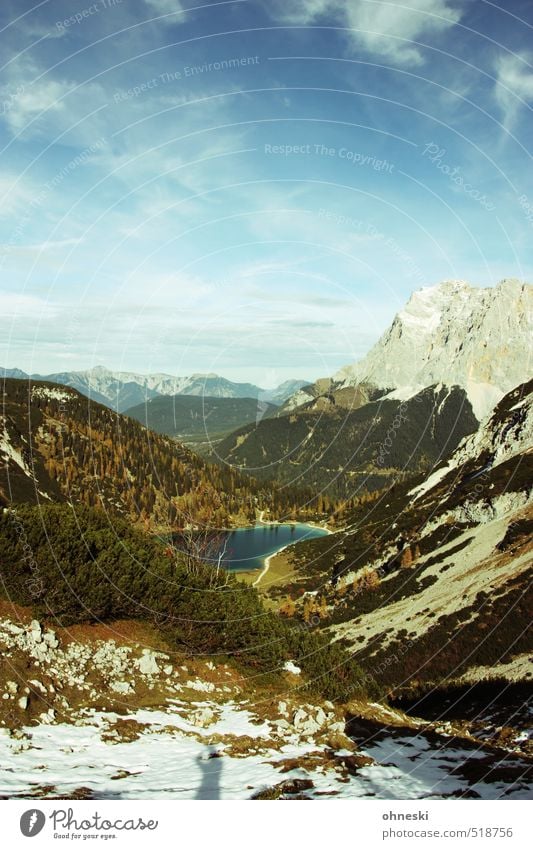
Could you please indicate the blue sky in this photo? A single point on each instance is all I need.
(253, 188)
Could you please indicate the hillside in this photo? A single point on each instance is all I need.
(429, 583)
(57, 445)
(344, 452)
(197, 420)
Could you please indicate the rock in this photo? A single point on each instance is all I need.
(13, 629)
(51, 640)
(167, 669)
(282, 725)
(6, 696)
(337, 727)
(353, 763)
(289, 788)
(12, 687)
(210, 665)
(282, 708)
(35, 631)
(304, 723)
(320, 717)
(122, 687)
(147, 664)
(37, 684)
(309, 728)
(201, 686)
(299, 718)
(23, 702)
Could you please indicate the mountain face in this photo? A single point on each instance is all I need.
(430, 581)
(455, 334)
(121, 390)
(198, 421)
(57, 445)
(285, 390)
(342, 451)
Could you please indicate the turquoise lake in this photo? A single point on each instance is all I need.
(247, 548)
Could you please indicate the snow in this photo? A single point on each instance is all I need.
(289, 666)
(54, 394)
(431, 481)
(11, 453)
(164, 762)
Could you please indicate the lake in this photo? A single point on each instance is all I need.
(247, 548)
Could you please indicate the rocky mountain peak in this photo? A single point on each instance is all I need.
(454, 334)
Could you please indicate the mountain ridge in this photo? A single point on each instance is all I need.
(121, 390)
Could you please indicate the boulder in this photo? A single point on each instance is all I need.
(36, 631)
(147, 664)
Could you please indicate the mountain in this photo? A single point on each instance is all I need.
(455, 334)
(285, 390)
(57, 445)
(429, 582)
(199, 420)
(121, 390)
(342, 451)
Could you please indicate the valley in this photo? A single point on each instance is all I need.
(326, 594)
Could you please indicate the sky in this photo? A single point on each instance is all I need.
(253, 187)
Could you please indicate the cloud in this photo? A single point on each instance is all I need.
(514, 86)
(166, 7)
(34, 99)
(380, 27)
(38, 249)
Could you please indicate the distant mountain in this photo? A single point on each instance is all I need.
(280, 394)
(343, 450)
(199, 420)
(455, 334)
(121, 390)
(429, 581)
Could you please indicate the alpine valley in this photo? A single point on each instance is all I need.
(389, 657)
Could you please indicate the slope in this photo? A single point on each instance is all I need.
(57, 445)
(199, 420)
(343, 451)
(431, 582)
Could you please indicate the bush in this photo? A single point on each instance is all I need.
(72, 564)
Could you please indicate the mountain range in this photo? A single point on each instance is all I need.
(121, 390)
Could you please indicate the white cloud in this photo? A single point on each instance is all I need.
(34, 99)
(38, 249)
(381, 27)
(166, 7)
(514, 86)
